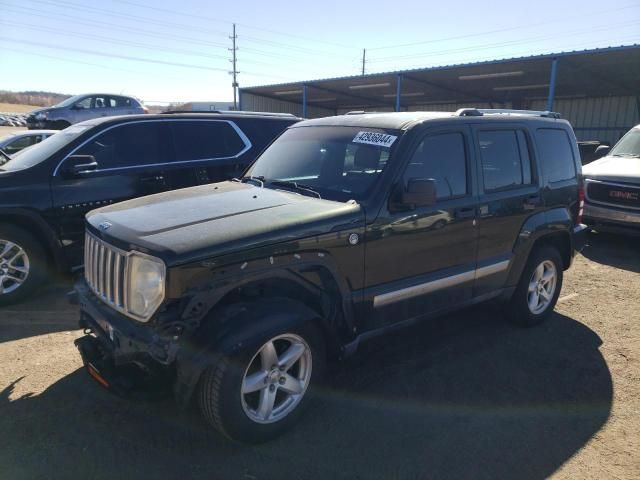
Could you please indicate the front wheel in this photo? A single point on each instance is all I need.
(257, 394)
(539, 287)
(23, 264)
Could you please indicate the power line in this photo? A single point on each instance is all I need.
(111, 55)
(253, 27)
(496, 45)
(502, 30)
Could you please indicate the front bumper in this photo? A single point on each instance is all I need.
(611, 218)
(118, 353)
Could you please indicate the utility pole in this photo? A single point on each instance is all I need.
(235, 72)
(364, 59)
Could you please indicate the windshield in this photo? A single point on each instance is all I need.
(628, 146)
(69, 101)
(336, 163)
(39, 152)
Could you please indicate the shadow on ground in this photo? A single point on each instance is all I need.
(47, 312)
(466, 396)
(620, 251)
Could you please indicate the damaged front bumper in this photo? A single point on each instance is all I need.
(121, 355)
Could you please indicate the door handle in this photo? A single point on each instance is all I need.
(466, 212)
(532, 202)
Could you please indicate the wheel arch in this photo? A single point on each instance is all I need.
(42, 232)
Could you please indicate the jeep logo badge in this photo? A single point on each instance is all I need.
(354, 239)
(104, 226)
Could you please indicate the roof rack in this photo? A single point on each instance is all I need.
(356, 112)
(478, 112)
(234, 112)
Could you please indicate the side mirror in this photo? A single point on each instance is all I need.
(602, 151)
(77, 165)
(420, 192)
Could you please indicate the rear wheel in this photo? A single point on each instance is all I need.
(23, 264)
(539, 287)
(257, 394)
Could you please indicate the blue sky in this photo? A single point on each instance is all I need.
(168, 51)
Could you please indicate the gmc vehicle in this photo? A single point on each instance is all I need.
(613, 187)
(46, 190)
(237, 293)
(79, 108)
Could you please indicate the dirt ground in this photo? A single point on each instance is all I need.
(8, 130)
(465, 396)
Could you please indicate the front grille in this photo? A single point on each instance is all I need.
(613, 194)
(105, 270)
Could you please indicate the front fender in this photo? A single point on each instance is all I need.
(233, 328)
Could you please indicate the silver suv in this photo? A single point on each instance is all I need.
(84, 107)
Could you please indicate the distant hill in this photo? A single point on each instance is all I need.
(39, 99)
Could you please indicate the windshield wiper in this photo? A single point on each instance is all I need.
(296, 186)
(634, 155)
(259, 180)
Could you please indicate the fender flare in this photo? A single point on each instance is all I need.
(235, 329)
(556, 221)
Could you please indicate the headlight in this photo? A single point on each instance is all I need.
(146, 285)
(42, 115)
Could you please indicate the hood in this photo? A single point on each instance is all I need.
(211, 220)
(39, 110)
(615, 169)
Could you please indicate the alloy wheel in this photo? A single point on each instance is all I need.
(542, 287)
(276, 379)
(14, 266)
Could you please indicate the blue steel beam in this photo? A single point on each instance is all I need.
(552, 84)
(398, 91)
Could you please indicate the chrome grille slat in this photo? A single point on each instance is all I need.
(106, 271)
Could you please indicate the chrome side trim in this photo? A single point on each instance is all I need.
(241, 134)
(435, 285)
(491, 269)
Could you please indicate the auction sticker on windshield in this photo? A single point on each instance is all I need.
(374, 138)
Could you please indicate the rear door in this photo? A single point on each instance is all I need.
(423, 260)
(206, 151)
(131, 162)
(509, 194)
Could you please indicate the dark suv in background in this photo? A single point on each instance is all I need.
(46, 190)
(343, 229)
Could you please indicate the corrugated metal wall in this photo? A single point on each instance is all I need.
(257, 103)
(597, 118)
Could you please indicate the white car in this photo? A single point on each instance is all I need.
(14, 142)
(612, 187)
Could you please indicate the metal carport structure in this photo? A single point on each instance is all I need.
(598, 90)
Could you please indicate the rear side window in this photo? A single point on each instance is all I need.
(129, 145)
(556, 154)
(120, 102)
(505, 159)
(201, 140)
(441, 157)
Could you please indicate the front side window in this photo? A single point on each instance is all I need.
(556, 154)
(202, 140)
(505, 159)
(21, 143)
(128, 145)
(441, 157)
(84, 103)
(339, 163)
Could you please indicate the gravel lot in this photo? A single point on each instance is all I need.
(466, 396)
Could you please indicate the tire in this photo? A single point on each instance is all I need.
(545, 261)
(236, 414)
(20, 250)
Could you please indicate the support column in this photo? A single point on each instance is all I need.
(304, 101)
(552, 84)
(239, 99)
(398, 92)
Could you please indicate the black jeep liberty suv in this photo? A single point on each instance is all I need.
(237, 293)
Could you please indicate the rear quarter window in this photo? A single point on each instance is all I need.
(201, 140)
(556, 154)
